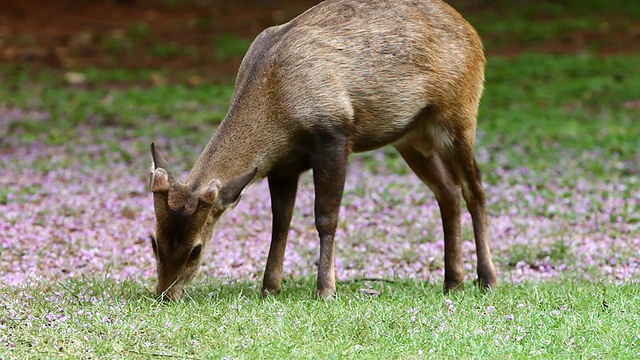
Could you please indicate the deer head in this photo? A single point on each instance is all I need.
(185, 216)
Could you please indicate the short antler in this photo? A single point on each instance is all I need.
(159, 162)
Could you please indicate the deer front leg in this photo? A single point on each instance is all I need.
(329, 163)
(283, 197)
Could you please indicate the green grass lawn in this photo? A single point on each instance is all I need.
(536, 108)
(557, 119)
(539, 111)
(92, 318)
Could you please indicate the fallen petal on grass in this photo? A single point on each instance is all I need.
(65, 216)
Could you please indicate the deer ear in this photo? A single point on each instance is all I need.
(159, 180)
(231, 191)
(210, 195)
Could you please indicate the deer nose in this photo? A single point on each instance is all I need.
(171, 294)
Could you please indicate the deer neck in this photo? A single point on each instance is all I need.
(236, 148)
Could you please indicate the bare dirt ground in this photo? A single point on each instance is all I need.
(186, 34)
(133, 34)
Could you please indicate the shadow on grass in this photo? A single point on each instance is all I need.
(304, 289)
(86, 290)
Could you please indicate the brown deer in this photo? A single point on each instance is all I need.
(345, 76)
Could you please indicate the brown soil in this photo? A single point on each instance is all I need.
(74, 34)
(132, 34)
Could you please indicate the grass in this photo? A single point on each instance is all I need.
(564, 103)
(165, 50)
(566, 106)
(550, 114)
(121, 100)
(509, 23)
(568, 125)
(408, 320)
(229, 46)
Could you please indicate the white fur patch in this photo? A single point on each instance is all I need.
(440, 137)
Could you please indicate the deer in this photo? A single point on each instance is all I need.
(346, 76)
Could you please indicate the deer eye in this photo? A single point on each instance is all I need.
(152, 240)
(195, 252)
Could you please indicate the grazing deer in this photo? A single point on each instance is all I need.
(345, 76)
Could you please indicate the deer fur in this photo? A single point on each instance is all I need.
(345, 76)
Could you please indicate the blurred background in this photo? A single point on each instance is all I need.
(211, 36)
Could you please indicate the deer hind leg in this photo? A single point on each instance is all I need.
(283, 197)
(440, 179)
(329, 163)
(462, 161)
(476, 204)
